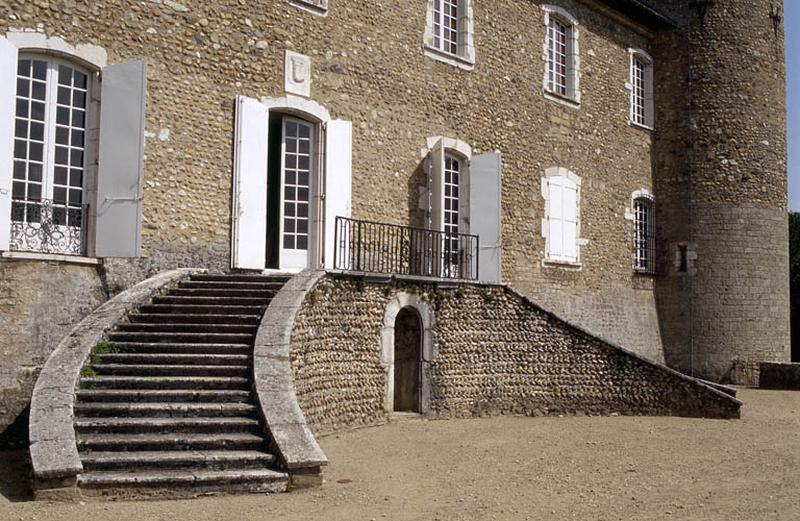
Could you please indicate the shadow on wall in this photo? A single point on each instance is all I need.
(417, 190)
(15, 478)
(794, 267)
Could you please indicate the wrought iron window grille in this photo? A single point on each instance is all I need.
(47, 226)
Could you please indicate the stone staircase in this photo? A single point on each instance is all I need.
(167, 409)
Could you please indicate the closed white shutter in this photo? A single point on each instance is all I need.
(570, 215)
(8, 63)
(649, 96)
(249, 234)
(562, 220)
(118, 209)
(338, 182)
(485, 212)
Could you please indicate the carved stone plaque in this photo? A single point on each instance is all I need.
(297, 74)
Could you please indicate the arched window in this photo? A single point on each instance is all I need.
(642, 111)
(644, 234)
(71, 153)
(561, 55)
(52, 102)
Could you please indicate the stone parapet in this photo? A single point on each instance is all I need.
(54, 453)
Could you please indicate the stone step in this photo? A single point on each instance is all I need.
(202, 338)
(203, 309)
(240, 277)
(264, 294)
(184, 348)
(162, 460)
(144, 409)
(165, 425)
(171, 442)
(229, 284)
(167, 382)
(184, 483)
(242, 371)
(174, 359)
(208, 327)
(192, 318)
(148, 396)
(212, 301)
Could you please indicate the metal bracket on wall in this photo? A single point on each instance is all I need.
(776, 17)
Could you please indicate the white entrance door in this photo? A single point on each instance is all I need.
(297, 171)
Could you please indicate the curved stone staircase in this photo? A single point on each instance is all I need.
(167, 407)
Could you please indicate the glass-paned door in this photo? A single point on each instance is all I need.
(297, 169)
(47, 212)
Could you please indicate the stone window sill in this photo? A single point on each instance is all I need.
(50, 257)
(640, 126)
(451, 59)
(563, 100)
(317, 8)
(571, 265)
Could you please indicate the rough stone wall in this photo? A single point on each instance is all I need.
(730, 310)
(39, 303)
(494, 352)
(368, 67)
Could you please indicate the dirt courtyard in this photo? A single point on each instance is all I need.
(587, 468)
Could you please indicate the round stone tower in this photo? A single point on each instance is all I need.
(721, 188)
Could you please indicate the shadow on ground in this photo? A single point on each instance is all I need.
(15, 463)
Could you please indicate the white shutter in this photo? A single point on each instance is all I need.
(485, 212)
(338, 181)
(569, 208)
(118, 209)
(8, 87)
(437, 186)
(249, 209)
(649, 96)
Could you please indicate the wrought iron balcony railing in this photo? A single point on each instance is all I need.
(47, 226)
(373, 247)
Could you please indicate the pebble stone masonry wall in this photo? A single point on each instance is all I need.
(722, 191)
(368, 67)
(495, 352)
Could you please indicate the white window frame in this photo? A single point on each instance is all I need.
(554, 258)
(464, 58)
(641, 90)
(572, 98)
(317, 7)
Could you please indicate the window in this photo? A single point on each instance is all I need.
(644, 236)
(73, 141)
(561, 56)
(445, 25)
(561, 227)
(452, 202)
(297, 159)
(449, 33)
(641, 89)
(49, 156)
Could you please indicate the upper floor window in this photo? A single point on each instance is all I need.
(644, 234)
(641, 89)
(449, 32)
(561, 56)
(49, 159)
(561, 225)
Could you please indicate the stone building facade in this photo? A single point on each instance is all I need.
(389, 103)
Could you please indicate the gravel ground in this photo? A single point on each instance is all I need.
(587, 468)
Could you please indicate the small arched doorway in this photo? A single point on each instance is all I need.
(407, 360)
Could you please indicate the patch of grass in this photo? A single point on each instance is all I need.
(102, 348)
(88, 371)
